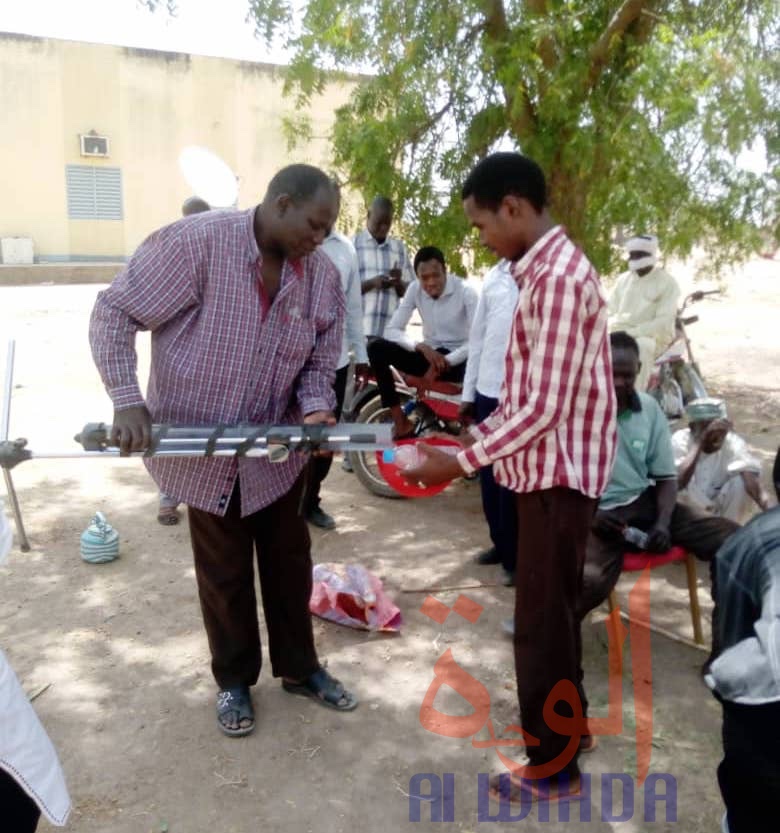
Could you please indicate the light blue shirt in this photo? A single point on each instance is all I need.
(490, 334)
(644, 453)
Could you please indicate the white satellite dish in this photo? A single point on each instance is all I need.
(209, 176)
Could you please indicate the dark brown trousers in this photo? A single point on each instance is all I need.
(692, 529)
(554, 526)
(224, 549)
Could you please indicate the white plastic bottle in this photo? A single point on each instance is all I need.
(406, 456)
(636, 537)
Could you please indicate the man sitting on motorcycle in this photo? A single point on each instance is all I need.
(715, 469)
(643, 303)
(446, 306)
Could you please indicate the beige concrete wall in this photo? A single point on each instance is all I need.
(150, 104)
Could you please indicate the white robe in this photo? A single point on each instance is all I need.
(645, 307)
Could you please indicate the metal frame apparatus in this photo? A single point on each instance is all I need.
(274, 442)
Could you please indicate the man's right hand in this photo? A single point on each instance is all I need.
(433, 357)
(606, 526)
(131, 430)
(716, 430)
(466, 412)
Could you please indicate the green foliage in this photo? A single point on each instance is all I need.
(637, 112)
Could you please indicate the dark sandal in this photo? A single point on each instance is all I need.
(505, 788)
(238, 702)
(168, 515)
(325, 689)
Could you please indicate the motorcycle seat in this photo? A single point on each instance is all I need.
(447, 388)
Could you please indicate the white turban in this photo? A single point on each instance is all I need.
(643, 251)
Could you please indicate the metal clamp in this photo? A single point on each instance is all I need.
(13, 452)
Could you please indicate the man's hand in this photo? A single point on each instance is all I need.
(320, 418)
(607, 526)
(658, 539)
(131, 430)
(716, 430)
(429, 377)
(433, 357)
(393, 280)
(466, 412)
(362, 373)
(438, 467)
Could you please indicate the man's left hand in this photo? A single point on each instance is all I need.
(438, 467)
(320, 418)
(658, 539)
(362, 373)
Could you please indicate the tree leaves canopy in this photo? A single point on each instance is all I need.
(637, 111)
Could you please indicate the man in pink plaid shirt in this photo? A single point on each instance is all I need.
(551, 440)
(246, 320)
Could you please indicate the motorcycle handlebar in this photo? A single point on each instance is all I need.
(697, 296)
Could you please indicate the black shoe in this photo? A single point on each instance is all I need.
(488, 557)
(507, 578)
(346, 465)
(321, 519)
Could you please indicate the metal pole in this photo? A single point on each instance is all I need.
(24, 544)
(9, 381)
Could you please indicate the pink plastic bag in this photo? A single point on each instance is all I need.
(348, 594)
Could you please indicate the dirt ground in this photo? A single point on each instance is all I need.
(130, 698)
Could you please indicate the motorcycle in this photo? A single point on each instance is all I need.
(676, 378)
(431, 407)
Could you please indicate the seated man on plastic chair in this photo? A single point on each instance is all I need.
(642, 492)
(446, 305)
(715, 469)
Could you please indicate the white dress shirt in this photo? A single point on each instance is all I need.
(490, 333)
(341, 251)
(446, 319)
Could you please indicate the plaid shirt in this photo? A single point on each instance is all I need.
(217, 357)
(378, 259)
(555, 423)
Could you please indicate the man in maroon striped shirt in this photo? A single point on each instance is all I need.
(246, 321)
(551, 440)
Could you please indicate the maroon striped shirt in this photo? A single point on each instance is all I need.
(555, 421)
(216, 357)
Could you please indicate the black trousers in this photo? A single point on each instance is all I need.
(547, 641)
(224, 550)
(382, 354)
(320, 466)
(498, 504)
(749, 774)
(18, 812)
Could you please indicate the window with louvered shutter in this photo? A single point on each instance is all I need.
(94, 193)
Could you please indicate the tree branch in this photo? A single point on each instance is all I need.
(546, 45)
(518, 101)
(601, 51)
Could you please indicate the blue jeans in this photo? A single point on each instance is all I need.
(498, 503)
